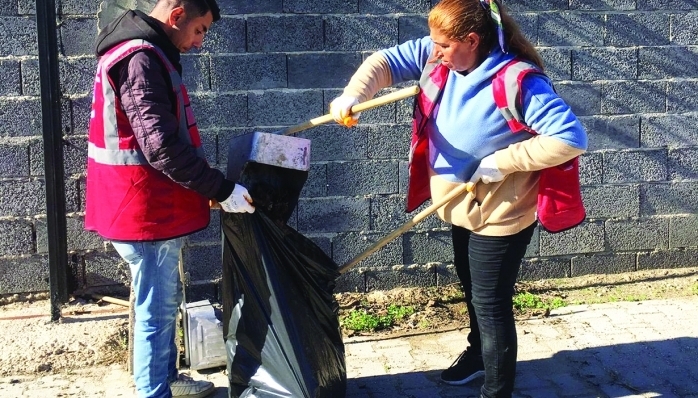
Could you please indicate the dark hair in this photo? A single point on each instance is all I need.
(457, 18)
(198, 8)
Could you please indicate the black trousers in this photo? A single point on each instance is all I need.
(488, 267)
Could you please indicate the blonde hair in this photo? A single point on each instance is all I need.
(457, 18)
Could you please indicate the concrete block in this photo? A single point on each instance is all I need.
(668, 131)
(536, 269)
(661, 259)
(20, 117)
(106, 269)
(337, 214)
(362, 178)
(558, 63)
(389, 278)
(346, 246)
(389, 141)
(24, 274)
(653, 5)
(220, 111)
(378, 7)
(683, 231)
(226, 36)
(212, 233)
(77, 75)
(585, 238)
(203, 262)
(570, 29)
(323, 242)
(321, 7)
(18, 36)
(667, 62)
(74, 156)
(533, 5)
(321, 70)
(316, 184)
(78, 239)
(248, 72)
(533, 248)
(583, 97)
(355, 33)
(8, 8)
(528, 23)
(629, 97)
(250, 7)
(681, 97)
(412, 27)
(22, 197)
(604, 64)
(640, 234)
(77, 36)
(602, 5)
(271, 108)
(611, 201)
(17, 238)
(683, 164)
(352, 281)
(427, 247)
(674, 198)
(203, 290)
(284, 33)
(388, 213)
(196, 72)
(603, 264)
(334, 142)
(635, 166)
(591, 168)
(14, 157)
(684, 29)
(637, 29)
(30, 80)
(74, 194)
(612, 132)
(11, 83)
(77, 117)
(80, 7)
(446, 275)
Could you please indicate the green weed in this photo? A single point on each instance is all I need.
(361, 320)
(529, 301)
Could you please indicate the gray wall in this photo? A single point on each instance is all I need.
(629, 68)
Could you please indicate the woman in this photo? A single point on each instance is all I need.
(468, 139)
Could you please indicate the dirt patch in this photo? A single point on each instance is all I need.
(95, 333)
(88, 334)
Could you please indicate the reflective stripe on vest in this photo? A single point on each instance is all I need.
(507, 94)
(112, 153)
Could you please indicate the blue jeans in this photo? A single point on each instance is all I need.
(487, 267)
(158, 292)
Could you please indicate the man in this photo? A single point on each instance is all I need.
(148, 184)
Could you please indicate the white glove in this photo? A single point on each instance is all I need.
(488, 171)
(238, 201)
(340, 109)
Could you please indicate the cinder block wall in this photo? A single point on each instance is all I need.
(629, 68)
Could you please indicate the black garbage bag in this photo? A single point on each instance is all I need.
(281, 328)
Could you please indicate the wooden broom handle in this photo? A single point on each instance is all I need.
(467, 187)
(364, 106)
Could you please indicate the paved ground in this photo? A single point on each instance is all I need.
(638, 349)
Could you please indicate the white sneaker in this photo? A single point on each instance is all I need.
(186, 387)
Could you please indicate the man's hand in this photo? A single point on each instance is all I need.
(488, 171)
(340, 109)
(239, 201)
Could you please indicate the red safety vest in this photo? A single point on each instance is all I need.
(560, 205)
(127, 199)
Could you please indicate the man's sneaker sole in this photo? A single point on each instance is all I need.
(466, 380)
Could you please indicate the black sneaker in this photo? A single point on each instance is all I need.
(467, 367)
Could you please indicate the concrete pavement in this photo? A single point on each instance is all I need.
(627, 349)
